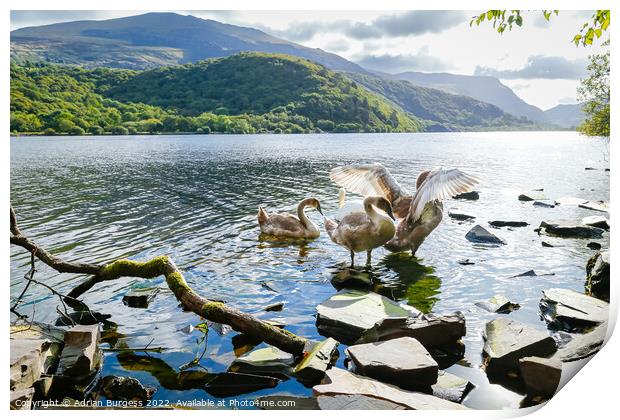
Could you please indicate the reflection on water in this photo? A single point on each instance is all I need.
(195, 198)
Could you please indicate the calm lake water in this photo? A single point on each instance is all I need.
(195, 199)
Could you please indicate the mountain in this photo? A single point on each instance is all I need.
(153, 40)
(565, 115)
(443, 111)
(484, 88)
(243, 93)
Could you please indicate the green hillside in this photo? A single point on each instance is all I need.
(244, 93)
(443, 110)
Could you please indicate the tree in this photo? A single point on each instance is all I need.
(505, 19)
(594, 92)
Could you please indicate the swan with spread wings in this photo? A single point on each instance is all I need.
(417, 214)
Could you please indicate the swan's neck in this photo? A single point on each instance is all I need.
(302, 216)
(374, 216)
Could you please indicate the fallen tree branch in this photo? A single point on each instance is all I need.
(163, 265)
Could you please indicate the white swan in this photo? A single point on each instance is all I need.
(347, 207)
(288, 226)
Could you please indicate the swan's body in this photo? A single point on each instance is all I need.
(286, 225)
(418, 214)
(347, 207)
(364, 231)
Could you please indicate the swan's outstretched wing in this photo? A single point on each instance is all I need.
(372, 179)
(439, 185)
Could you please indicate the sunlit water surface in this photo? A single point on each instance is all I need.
(195, 198)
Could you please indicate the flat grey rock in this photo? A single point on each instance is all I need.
(342, 382)
(478, 234)
(597, 206)
(319, 357)
(544, 203)
(349, 313)
(508, 223)
(451, 387)
(568, 309)
(269, 356)
(570, 201)
(498, 304)
(507, 341)
(460, 216)
(429, 329)
(596, 221)
(532, 196)
(80, 355)
(540, 375)
(570, 229)
(403, 362)
(583, 345)
(472, 195)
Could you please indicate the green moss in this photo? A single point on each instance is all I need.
(210, 307)
(147, 270)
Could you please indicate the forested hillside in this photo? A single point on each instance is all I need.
(245, 93)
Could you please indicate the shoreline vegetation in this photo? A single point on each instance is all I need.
(247, 93)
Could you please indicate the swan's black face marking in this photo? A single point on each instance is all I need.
(385, 205)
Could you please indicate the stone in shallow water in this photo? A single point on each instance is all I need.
(570, 229)
(120, 388)
(568, 309)
(403, 362)
(356, 402)
(229, 384)
(593, 205)
(498, 304)
(544, 203)
(472, 195)
(478, 234)
(532, 196)
(320, 357)
(570, 201)
(597, 279)
(429, 329)
(80, 355)
(595, 246)
(596, 221)
(549, 243)
(451, 387)
(342, 382)
(508, 223)
(275, 307)
(140, 298)
(348, 314)
(540, 375)
(350, 278)
(264, 359)
(583, 345)
(460, 216)
(507, 341)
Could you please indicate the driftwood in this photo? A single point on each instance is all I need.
(163, 266)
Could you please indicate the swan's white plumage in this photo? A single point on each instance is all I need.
(372, 179)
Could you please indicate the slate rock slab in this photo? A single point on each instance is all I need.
(498, 304)
(570, 229)
(471, 195)
(570, 201)
(540, 375)
(478, 234)
(507, 223)
(80, 355)
(356, 402)
(230, 384)
(583, 345)
(429, 329)
(460, 216)
(532, 196)
(451, 387)
(544, 203)
(349, 313)
(319, 357)
(403, 362)
(266, 359)
(121, 388)
(507, 341)
(597, 206)
(140, 298)
(569, 310)
(596, 221)
(597, 279)
(342, 382)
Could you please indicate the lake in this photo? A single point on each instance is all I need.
(195, 198)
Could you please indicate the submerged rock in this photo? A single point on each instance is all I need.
(80, 355)
(593, 205)
(350, 278)
(507, 341)
(274, 307)
(532, 196)
(498, 304)
(507, 223)
(596, 221)
(348, 314)
(532, 273)
(472, 195)
(403, 362)
(541, 376)
(320, 357)
(266, 359)
(120, 388)
(570, 229)
(597, 276)
(594, 245)
(549, 243)
(356, 402)
(466, 261)
(567, 309)
(82, 318)
(451, 387)
(429, 329)
(342, 382)
(140, 298)
(460, 216)
(544, 203)
(478, 234)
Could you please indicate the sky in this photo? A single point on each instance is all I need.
(538, 60)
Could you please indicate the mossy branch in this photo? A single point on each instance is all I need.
(164, 266)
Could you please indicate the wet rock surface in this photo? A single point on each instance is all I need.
(80, 355)
(348, 314)
(403, 362)
(429, 329)
(451, 387)
(507, 223)
(541, 376)
(597, 276)
(274, 307)
(597, 206)
(478, 234)
(507, 341)
(570, 201)
(122, 388)
(583, 345)
(532, 196)
(596, 221)
(342, 382)
(140, 298)
(229, 384)
(472, 195)
(570, 229)
(544, 203)
(356, 402)
(266, 359)
(319, 357)
(456, 215)
(570, 310)
(498, 304)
